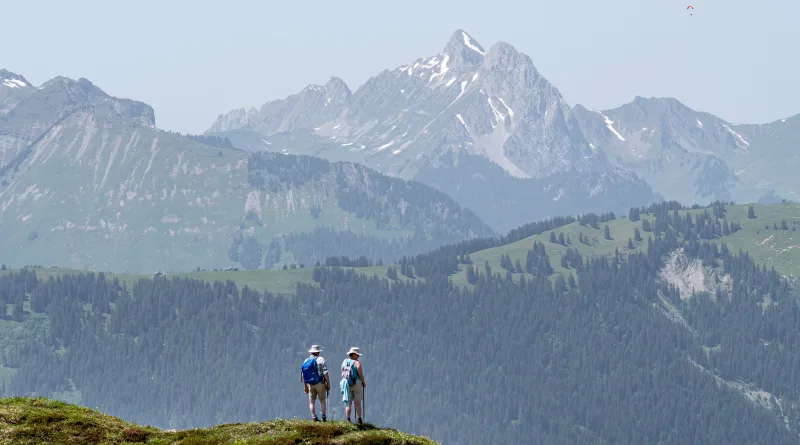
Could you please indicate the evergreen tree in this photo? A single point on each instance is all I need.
(751, 212)
(606, 232)
(637, 236)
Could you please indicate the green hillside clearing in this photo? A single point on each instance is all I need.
(770, 247)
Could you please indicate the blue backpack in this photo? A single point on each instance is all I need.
(310, 371)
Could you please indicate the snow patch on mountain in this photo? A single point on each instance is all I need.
(442, 68)
(610, 127)
(470, 45)
(498, 116)
(510, 111)
(461, 119)
(738, 136)
(385, 146)
(14, 83)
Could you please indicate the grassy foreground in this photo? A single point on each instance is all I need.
(42, 421)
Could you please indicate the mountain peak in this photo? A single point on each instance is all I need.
(13, 80)
(338, 86)
(464, 52)
(81, 92)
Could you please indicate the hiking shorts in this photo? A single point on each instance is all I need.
(357, 392)
(317, 390)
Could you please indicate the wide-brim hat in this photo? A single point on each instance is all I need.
(314, 348)
(355, 351)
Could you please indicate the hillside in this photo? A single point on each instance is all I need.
(694, 334)
(761, 237)
(275, 281)
(87, 181)
(41, 421)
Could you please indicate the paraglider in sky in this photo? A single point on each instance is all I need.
(690, 7)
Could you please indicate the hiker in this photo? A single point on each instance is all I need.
(352, 384)
(316, 383)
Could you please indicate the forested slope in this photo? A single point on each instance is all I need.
(625, 354)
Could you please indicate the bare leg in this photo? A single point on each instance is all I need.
(312, 407)
(347, 410)
(358, 408)
(324, 405)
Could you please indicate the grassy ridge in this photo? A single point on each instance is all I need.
(275, 281)
(773, 248)
(26, 421)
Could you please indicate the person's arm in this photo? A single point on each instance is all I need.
(361, 374)
(325, 373)
(305, 387)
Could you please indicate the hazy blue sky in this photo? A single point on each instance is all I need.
(192, 60)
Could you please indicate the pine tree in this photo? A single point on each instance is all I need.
(751, 212)
(783, 225)
(553, 238)
(606, 232)
(472, 277)
(571, 282)
(646, 225)
(637, 236)
(561, 239)
(630, 244)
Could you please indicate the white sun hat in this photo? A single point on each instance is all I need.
(314, 348)
(355, 351)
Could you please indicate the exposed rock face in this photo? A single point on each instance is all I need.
(690, 276)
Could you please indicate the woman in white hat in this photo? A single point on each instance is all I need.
(352, 371)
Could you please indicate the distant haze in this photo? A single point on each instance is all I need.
(192, 60)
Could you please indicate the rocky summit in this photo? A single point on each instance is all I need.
(482, 125)
(485, 126)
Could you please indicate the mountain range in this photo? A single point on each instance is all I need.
(88, 181)
(492, 139)
(485, 126)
